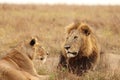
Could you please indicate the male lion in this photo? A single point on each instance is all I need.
(80, 51)
(18, 63)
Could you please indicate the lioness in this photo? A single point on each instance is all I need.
(18, 63)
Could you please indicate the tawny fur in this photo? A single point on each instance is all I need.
(89, 51)
(18, 63)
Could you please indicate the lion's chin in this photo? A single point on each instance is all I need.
(71, 54)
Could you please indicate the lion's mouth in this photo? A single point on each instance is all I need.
(71, 54)
(74, 53)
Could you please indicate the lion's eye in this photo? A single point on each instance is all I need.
(75, 37)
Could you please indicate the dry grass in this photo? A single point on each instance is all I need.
(47, 22)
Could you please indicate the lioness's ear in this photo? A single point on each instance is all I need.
(33, 42)
(85, 29)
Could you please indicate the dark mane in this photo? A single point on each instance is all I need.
(78, 65)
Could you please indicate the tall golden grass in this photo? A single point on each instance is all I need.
(18, 22)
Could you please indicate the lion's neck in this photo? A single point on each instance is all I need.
(88, 47)
(22, 49)
(85, 63)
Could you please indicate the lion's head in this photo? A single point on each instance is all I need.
(79, 39)
(42, 54)
(32, 49)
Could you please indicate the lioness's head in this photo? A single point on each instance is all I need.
(42, 54)
(77, 39)
(32, 49)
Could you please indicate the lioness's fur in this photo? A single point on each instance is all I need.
(18, 63)
(80, 51)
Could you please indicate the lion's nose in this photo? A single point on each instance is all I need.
(67, 47)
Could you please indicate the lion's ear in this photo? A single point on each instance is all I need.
(86, 29)
(33, 41)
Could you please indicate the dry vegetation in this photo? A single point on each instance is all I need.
(47, 22)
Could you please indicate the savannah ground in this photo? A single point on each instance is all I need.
(18, 22)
